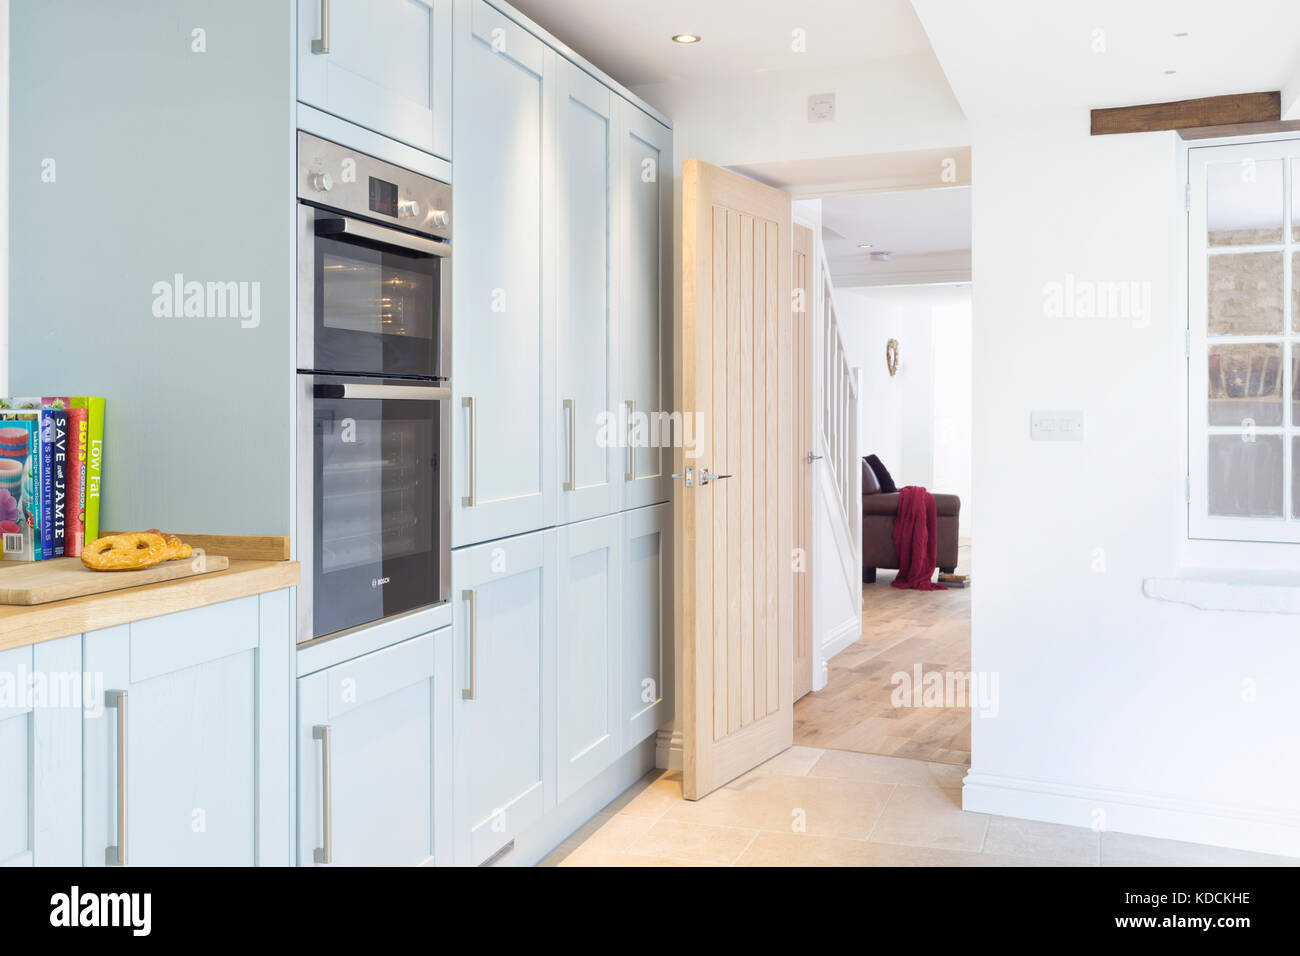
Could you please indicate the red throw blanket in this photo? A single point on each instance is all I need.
(916, 540)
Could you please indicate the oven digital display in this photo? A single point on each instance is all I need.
(383, 197)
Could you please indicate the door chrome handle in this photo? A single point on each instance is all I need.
(689, 475)
(630, 473)
(116, 855)
(471, 499)
(471, 692)
(325, 853)
(812, 458)
(323, 44)
(707, 476)
(571, 412)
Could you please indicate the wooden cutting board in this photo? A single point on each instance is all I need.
(41, 582)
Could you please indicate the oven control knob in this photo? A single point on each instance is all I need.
(440, 217)
(321, 182)
(408, 208)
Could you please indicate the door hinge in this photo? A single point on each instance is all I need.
(1187, 343)
(1187, 490)
(1187, 197)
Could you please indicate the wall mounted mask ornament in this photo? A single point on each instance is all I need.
(891, 356)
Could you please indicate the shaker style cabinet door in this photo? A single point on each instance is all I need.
(503, 379)
(170, 755)
(40, 754)
(381, 64)
(645, 269)
(647, 622)
(504, 599)
(374, 755)
(586, 297)
(587, 650)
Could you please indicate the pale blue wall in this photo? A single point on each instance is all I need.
(167, 161)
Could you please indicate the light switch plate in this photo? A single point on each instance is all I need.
(821, 108)
(1056, 425)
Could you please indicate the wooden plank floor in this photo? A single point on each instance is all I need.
(900, 629)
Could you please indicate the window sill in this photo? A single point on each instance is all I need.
(1226, 589)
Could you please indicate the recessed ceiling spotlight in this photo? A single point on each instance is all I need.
(864, 245)
(1170, 72)
(686, 38)
(1180, 34)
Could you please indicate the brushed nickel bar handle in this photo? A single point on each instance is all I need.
(471, 499)
(630, 473)
(571, 412)
(323, 44)
(325, 853)
(471, 692)
(395, 393)
(116, 855)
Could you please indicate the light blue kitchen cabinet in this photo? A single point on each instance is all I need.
(586, 284)
(645, 283)
(382, 64)
(587, 650)
(503, 385)
(504, 597)
(647, 622)
(185, 748)
(40, 754)
(374, 757)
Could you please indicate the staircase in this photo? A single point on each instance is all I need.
(837, 499)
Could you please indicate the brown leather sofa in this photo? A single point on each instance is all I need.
(878, 511)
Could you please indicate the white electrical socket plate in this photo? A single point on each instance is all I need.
(1056, 426)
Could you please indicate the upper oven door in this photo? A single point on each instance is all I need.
(372, 300)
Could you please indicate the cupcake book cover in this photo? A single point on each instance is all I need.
(19, 497)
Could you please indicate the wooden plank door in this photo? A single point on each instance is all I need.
(736, 609)
(801, 358)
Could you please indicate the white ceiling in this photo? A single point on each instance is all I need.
(630, 39)
(913, 169)
(911, 223)
(1010, 56)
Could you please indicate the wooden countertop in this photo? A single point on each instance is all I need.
(21, 626)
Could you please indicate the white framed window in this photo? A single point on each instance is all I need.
(1243, 244)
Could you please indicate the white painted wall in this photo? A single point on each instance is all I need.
(868, 323)
(1114, 709)
(951, 357)
(919, 421)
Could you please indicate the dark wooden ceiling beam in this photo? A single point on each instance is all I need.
(1230, 110)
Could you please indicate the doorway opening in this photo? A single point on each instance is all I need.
(892, 667)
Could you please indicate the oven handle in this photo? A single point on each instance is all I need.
(360, 229)
(406, 393)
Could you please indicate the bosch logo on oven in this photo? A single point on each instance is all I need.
(379, 582)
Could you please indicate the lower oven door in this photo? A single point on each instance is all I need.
(379, 500)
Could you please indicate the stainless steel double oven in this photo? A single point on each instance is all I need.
(374, 391)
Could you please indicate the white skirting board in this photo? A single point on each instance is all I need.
(1238, 827)
(842, 635)
(532, 846)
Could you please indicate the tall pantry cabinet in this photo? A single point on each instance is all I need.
(562, 307)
